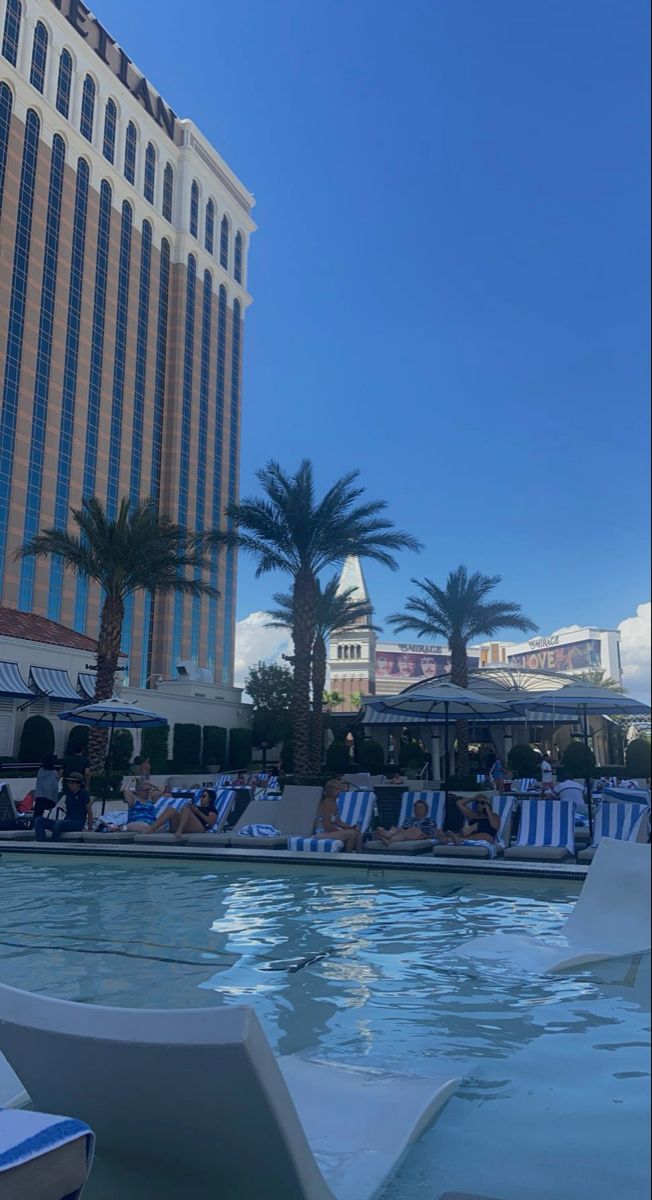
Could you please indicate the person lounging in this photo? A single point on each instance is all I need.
(197, 818)
(141, 817)
(328, 823)
(481, 823)
(417, 827)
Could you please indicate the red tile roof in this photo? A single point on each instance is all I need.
(40, 629)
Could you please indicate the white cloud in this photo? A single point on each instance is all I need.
(635, 639)
(566, 629)
(255, 643)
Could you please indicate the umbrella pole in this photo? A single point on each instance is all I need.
(588, 781)
(446, 751)
(107, 764)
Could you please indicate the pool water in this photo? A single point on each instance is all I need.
(360, 967)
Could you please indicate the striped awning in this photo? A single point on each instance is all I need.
(86, 682)
(53, 682)
(11, 681)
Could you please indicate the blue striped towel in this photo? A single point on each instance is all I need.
(27, 1135)
(261, 831)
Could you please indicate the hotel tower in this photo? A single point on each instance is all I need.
(123, 287)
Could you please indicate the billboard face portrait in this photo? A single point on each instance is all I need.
(384, 664)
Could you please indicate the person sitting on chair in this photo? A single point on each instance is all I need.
(328, 823)
(417, 827)
(79, 810)
(197, 818)
(482, 823)
(142, 817)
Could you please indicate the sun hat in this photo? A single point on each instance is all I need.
(74, 777)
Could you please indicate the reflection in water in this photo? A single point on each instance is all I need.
(360, 969)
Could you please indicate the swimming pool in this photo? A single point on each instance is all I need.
(359, 967)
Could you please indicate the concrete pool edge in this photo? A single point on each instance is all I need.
(419, 864)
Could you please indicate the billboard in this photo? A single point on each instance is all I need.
(576, 656)
(413, 662)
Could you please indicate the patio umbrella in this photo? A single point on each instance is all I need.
(581, 699)
(112, 714)
(430, 700)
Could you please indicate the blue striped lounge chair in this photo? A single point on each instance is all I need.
(503, 804)
(625, 822)
(436, 805)
(546, 831)
(525, 785)
(224, 800)
(355, 808)
(631, 795)
(43, 1156)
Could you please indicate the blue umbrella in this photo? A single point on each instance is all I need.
(112, 714)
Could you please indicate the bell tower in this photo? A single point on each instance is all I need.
(352, 652)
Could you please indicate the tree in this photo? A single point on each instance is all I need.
(523, 761)
(270, 688)
(290, 529)
(578, 760)
(139, 550)
(598, 677)
(334, 612)
(638, 758)
(459, 613)
(36, 739)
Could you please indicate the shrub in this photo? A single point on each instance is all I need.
(186, 747)
(466, 783)
(239, 748)
(638, 759)
(36, 739)
(524, 762)
(154, 746)
(338, 757)
(77, 739)
(371, 757)
(412, 754)
(110, 789)
(213, 745)
(122, 749)
(578, 760)
(287, 757)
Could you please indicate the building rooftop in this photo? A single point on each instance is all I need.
(40, 629)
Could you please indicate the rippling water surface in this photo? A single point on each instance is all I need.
(360, 967)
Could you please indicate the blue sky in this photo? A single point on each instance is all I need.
(450, 272)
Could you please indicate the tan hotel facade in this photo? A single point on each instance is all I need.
(124, 240)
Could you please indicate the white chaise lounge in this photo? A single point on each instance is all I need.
(43, 1157)
(193, 1103)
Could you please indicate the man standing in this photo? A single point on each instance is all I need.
(79, 810)
(77, 762)
(546, 774)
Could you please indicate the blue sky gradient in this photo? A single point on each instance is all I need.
(450, 274)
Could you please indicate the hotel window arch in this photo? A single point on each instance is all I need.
(209, 227)
(64, 84)
(168, 191)
(11, 35)
(339, 651)
(131, 143)
(87, 108)
(194, 208)
(150, 172)
(238, 247)
(358, 651)
(39, 57)
(110, 128)
(224, 243)
(6, 106)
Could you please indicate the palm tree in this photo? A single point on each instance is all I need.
(459, 613)
(598, 677)
(290, 529)
(334, 611)
(139, 550)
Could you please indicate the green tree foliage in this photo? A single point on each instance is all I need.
(338, 757)
(412, 754)
(186, 747)
(122, 750)
(36, 739)
(638, 758)
(77, 739)
(371, 757)
(239, 749)
(524, 762)
(214, 745)
(578, 760)
(154, 746)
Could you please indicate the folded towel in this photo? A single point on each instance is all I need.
(259, 831)
(26, 1135)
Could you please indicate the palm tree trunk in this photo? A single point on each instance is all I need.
(108, 650)
(303, 634)
(316, 717)
(460, 677)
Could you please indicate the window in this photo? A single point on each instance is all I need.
(142, 330)
(64, 83)
(110, 125)
(237, 258)
(119, 359)
(218, 450)
(168, 191)
(39, 57)
(87, 109)
(150, 172)
(202, 446)
(358, 651)
(229, 575)
(224, 243)
(11, 34)
(339, 651)
(209, 232)
(6, 104)
(186, 424)
(131, 141)
(160, 366)
(194, 208)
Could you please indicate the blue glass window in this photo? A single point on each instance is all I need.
(194, 208)
(119, 359)
(224, 243)
(39, 57)
(42, 369)
(11, 35)
(70, 367)
(209, 233)
(6, 104)
(150, 172)
(202, 445)
(237, 258)
(64, 84)
(168, 191)
(110, 125)
(95, 376)
(87, 109)
(229, 578)
(184, 456)
(16, 321)
(218, 448)
(131, 141)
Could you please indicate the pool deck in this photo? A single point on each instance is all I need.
(365, 863)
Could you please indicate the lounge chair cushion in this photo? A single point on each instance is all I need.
(418, 846)
(479, 851)
(587, 856)
(538, 853)
(43, 1157)
(316, 845)
(16, 835)
(256, 843)
(121, 838)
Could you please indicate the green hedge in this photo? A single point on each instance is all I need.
(154, 746)
(578, 760)
(371, 757)
(638, 758)
(239, 748)
(338, 757)
(78, 739)
(36, 739)
(412, 754)
(109, 790)
(287, 757)
(186, 747)
(524, 762)
(213, 745)
(122, 750)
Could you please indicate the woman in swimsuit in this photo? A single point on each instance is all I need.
(482, 823)
(420, 825)
(197, 818)
(328, 823)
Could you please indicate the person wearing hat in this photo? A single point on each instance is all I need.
(79, 810)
